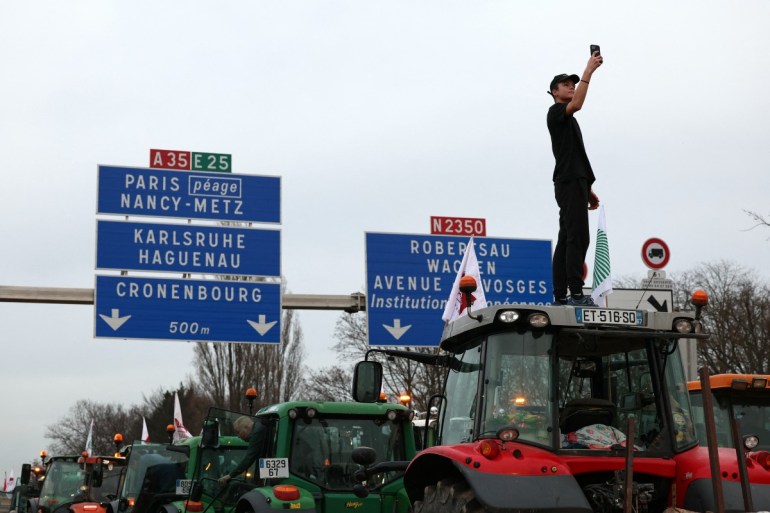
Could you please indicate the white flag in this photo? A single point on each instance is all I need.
(456, 306)
(602, 273)
(180, 432)
(10, 483)
(145, 433)
(90, 439)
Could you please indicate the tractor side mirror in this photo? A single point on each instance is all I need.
(97, 475)
(210, 436)
(364, 455)
(26, 471)
(367, 381)
(196, 492)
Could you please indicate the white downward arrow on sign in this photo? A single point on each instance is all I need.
(262, 327)
(396, 330)
(116, 321)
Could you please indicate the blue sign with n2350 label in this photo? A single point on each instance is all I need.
(187, 248)
(409, 279)
(188, 194)
(200, 310)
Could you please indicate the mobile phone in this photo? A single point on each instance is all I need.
(595, 48)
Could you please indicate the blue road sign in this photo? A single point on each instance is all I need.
(188, 249)
(188, 194)
(409, 279)
(200, 310)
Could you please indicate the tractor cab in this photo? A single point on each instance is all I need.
(72, 481)
(152, 476)
(557, 399)
(745, 397)
(741, 423)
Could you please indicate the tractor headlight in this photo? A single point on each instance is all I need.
(683, 326)
(539, 320)
(508, 316)
(750, 441)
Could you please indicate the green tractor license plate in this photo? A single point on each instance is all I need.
(273, 467)
(607, 316)
(183, 486)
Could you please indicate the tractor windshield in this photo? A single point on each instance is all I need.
(321, 450)
(64, 483)
(152, 469)
(751, 410)
(569, 391)
(111, 476)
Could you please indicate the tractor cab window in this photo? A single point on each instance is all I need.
(517, 386)
(112, 473)
(604, 381)
(322, 448)
(461, 390)
(676, 385)
(151, 470)
(216, 462)
(64, 482)
(751, 411)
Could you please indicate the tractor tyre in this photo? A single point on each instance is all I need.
(452, 495)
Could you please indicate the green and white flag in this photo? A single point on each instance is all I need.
(602, 274)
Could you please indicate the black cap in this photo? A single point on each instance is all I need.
(561, 78)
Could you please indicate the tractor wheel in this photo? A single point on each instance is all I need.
(448, 495)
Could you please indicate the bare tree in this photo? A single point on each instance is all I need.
(70, 433)
(760, 219)
(329, 384)
(226, 371)
(401, 375)
(738, 317)
(158, 410)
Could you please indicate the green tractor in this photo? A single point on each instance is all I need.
(24, 491)
(160, 475)
(306, 462)
(79, 484)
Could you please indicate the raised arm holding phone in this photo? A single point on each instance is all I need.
(573, 178)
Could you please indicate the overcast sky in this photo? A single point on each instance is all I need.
(376, 115)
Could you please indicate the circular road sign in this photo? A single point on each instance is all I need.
(655, 253)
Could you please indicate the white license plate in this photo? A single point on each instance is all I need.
(183, 486)
(607, 316)
(273, 467)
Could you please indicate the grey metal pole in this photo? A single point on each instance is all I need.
(355, 302)
(711, 438)
(748, 502)
(629, 465)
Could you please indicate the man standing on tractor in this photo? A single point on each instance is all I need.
(572, 177)
(254, 433)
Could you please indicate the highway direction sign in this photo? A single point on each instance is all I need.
(409, 278)
(191, 161)
(188, 194)
(207, 311)
(654, 300)
(182, 248)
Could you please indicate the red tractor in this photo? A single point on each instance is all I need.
(741, 421)
(554, 408)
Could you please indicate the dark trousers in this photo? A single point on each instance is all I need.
(572, 245)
